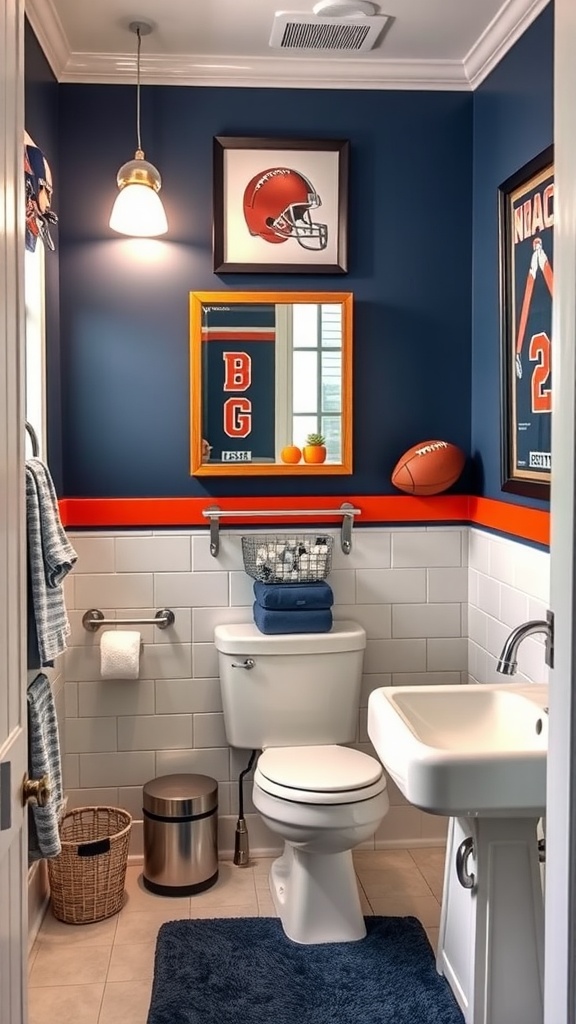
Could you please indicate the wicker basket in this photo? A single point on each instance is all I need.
(292, 558)
(87, 877)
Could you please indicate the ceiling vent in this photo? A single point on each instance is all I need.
(341, 25)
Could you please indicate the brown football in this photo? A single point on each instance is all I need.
(428, 468)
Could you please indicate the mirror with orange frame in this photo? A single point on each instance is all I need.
(270, 383)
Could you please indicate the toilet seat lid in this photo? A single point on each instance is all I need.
(323, 769)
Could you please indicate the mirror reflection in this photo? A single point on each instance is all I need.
(271, 382)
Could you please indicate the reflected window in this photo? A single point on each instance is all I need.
(316, 344)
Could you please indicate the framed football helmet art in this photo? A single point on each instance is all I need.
(280, 205)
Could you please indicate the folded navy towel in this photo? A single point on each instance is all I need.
(298, 596)
(317, 620)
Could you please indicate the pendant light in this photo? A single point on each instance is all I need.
(138, 209)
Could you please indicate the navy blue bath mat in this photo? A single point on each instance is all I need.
(245, 971)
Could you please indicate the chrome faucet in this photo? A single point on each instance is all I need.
(508, 663)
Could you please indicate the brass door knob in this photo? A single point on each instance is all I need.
(36, 789)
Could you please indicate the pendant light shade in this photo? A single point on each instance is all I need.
(138, 209)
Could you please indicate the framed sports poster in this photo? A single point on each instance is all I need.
(526, 222)
(280, 205)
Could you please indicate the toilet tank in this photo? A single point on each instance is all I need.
(294, 689)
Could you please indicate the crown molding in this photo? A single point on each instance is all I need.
(290, 72)
(266, 72)
(505, 29)
(50, 34)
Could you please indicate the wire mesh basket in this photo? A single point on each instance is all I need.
(87, 877)
(298, 558)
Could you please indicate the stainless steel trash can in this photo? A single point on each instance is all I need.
(180, 834)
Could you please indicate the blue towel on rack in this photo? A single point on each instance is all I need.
(44, 759)
(297, 596)
(50, 559)
(317, 620)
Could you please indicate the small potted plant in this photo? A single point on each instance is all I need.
(314, 451)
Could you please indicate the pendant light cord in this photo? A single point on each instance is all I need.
(138, 89)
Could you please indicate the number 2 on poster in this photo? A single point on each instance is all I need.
(540, 351)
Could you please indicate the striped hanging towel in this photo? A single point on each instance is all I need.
(50, 559)
(44, 759)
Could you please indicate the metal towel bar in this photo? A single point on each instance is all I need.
(347, 511)
(33, 439)
(94, 618)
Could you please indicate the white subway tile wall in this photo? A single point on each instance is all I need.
(408, 587)
(508, 583)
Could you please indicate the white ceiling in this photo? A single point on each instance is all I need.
(428, 44)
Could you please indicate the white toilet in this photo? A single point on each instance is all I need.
(295, 696)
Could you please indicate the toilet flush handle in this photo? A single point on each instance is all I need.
(247, 663)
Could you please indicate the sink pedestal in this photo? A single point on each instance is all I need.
(491, 941)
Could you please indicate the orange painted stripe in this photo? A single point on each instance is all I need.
(155, 513)
(520, 521)
(158, 512)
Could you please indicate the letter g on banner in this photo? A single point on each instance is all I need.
(237, 417)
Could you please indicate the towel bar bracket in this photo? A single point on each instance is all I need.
(94, 618)
(347, 524)
(214, 513)
(214, 531)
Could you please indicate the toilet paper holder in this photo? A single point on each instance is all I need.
(94, 618)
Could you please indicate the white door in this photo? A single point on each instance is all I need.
(13, 857)
(560, 964)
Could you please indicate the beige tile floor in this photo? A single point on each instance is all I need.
(102, 973)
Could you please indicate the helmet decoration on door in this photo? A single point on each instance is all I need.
(277, 204)
(40, 217)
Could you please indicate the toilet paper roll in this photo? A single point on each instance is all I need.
(120, 654)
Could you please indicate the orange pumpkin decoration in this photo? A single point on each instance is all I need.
(291, 453)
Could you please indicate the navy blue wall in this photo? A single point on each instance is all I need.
(124, 303)
(513, 122)
(425, 170)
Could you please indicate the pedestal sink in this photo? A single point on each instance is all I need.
(478, 754)
(472, 750)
